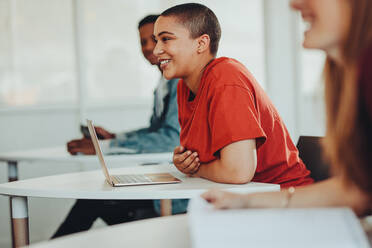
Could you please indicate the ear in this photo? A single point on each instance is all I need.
(203, 43)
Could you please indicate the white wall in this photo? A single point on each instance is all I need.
(302, 111)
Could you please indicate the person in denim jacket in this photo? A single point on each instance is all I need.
(163, 133)
(161, 136)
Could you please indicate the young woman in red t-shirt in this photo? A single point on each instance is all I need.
(230, 130)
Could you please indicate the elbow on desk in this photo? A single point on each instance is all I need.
(240, 179)
(238, 174)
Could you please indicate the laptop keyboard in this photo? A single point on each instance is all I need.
(132, 179)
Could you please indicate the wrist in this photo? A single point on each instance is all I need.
(198, 173)
(286, 200)
(120, 136)
(247, 201)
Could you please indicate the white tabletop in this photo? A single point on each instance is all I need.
(159, 232)
(60, 154)
(92, 185)
(162, 232)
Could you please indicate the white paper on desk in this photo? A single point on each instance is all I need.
(332, 227)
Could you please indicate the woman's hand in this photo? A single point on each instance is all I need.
(186, 161)
(225, 200)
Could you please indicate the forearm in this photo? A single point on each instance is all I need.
(329, 193)
(124, 135)
(227, 168)
(219, 172)
(162, 140)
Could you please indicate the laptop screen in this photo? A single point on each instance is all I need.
(97, 147)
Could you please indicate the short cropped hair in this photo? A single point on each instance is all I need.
(199, 20)
(147, 19)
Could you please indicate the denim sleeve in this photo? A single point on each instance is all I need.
(179, 206)
(125, 135)
(161, 136)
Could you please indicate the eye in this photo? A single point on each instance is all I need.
(164, 39)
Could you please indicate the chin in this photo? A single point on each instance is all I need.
(168, 74)
(313, 41)
(309, 45)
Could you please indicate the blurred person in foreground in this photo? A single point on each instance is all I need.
(343, 30)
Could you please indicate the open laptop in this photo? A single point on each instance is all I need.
(127, 180)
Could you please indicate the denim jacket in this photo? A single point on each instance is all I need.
(163, 133)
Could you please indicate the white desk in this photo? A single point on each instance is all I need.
(91, 185)
(60, 154)
(56, 155)
(162, 232)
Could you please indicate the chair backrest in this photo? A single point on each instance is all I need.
(310, 152)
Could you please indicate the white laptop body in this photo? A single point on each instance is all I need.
(128, 180)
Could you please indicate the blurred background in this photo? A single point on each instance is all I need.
(62, 61)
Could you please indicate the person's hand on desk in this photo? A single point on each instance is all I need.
(224, 200)
(101, 132)
(104, 134)
(83, 145)
(186, 161)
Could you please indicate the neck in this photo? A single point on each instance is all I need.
(194, 79)
(336, 55)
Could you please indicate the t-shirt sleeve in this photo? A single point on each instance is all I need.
(233, 117)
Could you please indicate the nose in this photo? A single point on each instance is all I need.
(296, 4)
(158, 50)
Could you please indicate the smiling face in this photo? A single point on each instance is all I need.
(175, 49)
(328, 23)
(148, 42)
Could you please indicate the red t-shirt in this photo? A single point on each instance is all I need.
(231, 106)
